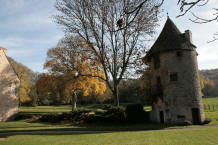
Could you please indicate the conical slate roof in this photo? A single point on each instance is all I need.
(170, 38)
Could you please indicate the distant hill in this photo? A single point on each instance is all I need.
(209, 79)
(212, 74)
(27, 77)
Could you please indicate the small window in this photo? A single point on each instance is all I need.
(173, 77)
(179, 53)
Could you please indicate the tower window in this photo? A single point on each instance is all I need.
(173, 77)
(156, 62)
(179, 53)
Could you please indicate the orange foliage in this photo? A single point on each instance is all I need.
(79, 69)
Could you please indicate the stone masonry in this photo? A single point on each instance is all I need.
(9, 86)
(176, 90)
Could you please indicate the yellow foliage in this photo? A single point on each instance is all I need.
(78, 67)
(24, 96)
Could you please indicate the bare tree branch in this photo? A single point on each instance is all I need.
(96, 22)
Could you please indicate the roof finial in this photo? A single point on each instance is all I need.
(167, 15)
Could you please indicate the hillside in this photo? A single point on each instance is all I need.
(210, 82)
(27, 77)
(212, 74)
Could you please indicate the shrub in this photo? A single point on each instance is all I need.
(22, 116)
(187, 122)
(53, 118)
(135, 113)
(114, 115)
(111, 115)
(73, 117)
(206, 121)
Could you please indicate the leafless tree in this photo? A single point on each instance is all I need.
(186, 6)
(118, 47)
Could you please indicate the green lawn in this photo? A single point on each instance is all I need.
(211, 101)
(29, 125)
(120, 134)
(162, 137)
(211, 109)
(45, 109)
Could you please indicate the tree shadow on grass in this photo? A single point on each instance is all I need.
(86, 129)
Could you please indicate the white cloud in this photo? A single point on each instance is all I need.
(27, 31)
(202, 33)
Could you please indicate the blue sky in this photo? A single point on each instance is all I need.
(28, 31)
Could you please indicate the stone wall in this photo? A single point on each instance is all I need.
(179, 97)
(9, 86)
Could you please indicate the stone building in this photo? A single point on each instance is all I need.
(9, 86)
(175, 83)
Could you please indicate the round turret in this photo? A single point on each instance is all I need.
(175, 79)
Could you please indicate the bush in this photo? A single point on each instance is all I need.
(111, 115)
(135, 113)
(22, 116)
(206, 121)
(53, 118)
(77, 116)
(187, 122)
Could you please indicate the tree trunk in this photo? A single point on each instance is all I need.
(116, 95)
(74, 101)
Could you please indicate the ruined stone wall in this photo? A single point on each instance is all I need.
(179, 97)
(9, 86)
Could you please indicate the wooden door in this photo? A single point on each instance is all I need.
(196, 116)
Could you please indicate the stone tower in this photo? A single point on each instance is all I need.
(175, 83)
(9, 86)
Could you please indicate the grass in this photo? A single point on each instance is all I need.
(45, 109)
(127, 134)
(206, 136)
(29, 125)
(211, 101)
(211, 109)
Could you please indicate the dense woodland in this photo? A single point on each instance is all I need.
(48, 89)
(210, 79)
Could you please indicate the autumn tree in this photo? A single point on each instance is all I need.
(72, 61)
(115, 31)
(50, 89)
(27, 82)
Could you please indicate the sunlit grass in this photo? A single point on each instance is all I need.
(29, 125)
(207, 136)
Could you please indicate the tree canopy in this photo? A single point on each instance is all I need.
(27, 79)
(71, 62)
(115, 32)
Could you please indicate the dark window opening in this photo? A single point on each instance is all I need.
(179, 53)
(195, 116)
(156, 61)
(161, 117)
(173, 77)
